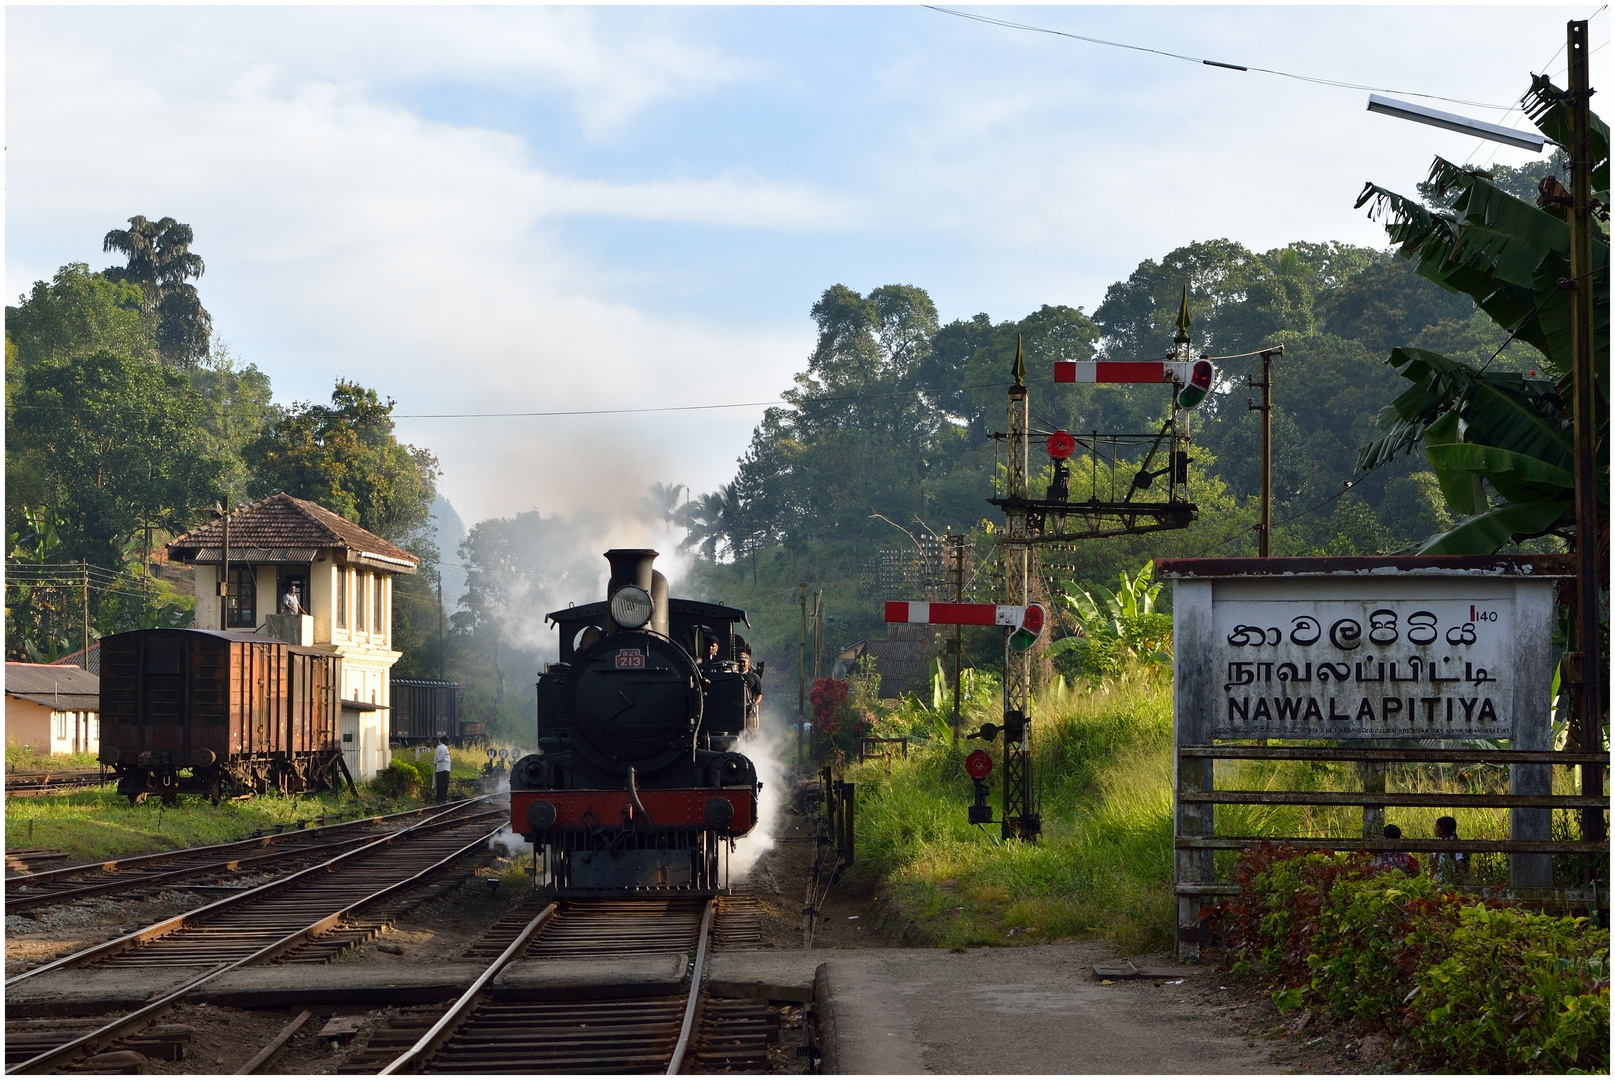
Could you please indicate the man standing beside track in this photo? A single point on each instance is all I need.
(440, 763)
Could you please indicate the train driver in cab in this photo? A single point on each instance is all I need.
(753, 681)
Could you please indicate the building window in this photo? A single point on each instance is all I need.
(342, 599)
(378, 623)
(62, 730)
(360, 604)
(243, 603)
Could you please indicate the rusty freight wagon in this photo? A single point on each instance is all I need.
(426, 710)
(216, 713)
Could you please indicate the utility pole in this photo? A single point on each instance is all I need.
(440, 658)
(1020, 820)
(1264, 531)
(956, 552)
(818, 634)
(801, 685)
(84, 569)
(1586, 420)
(224, 566)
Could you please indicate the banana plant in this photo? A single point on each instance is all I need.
(1118, 626)
(1499, 444)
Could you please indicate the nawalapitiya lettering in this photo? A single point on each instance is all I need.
(1315, 713)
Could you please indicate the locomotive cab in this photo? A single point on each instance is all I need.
(637, 783)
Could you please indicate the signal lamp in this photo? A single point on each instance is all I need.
(631, 607)
(1200, 379)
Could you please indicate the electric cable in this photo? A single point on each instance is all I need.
(1207, 63)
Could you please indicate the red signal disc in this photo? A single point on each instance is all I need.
(1061, 445)
(978, 765)
(1200, 375)
(1033, 622)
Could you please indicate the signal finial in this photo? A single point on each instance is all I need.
(1183, 319)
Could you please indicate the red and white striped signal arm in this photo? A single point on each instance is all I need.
(918, 611)
(1121, 371)
(939, 614)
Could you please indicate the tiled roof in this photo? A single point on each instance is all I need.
(286, 529)
(49, 684)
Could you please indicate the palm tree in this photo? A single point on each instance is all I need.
(709, 522)
(161, 262)
(662, 500)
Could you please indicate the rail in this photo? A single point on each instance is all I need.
(481, 1033)
(683, 1044)
(110, 1032)
(440, 1031)
(178, 922)
(132, 861)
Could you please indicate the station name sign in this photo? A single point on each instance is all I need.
(1420, 668)
(1383, 648)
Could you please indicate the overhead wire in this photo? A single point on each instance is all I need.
(1203, 61)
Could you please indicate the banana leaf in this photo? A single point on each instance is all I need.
(1461, 487)
(1516, 477)
(1485, 533)
(1549, 109)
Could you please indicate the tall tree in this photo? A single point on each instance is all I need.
(161, 262)
(77, 313)
(345, 457)
(111, 445)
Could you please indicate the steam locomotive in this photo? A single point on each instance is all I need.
(637, 783)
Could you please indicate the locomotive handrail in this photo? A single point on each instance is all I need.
(677, 1062)
(53, 1058)
(427, 1044)
(178, 922)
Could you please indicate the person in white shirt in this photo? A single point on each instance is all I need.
(440, 763)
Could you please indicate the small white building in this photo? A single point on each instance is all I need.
(53, 709)
(301, 573)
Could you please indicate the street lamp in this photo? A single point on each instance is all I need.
(1419, 114)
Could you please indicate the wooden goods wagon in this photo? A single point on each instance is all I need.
(425, 710)
(217, 713)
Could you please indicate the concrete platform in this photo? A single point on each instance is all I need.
(1034, 1009)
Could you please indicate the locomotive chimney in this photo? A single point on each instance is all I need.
(633, 566)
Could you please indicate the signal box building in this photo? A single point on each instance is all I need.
(305, 575)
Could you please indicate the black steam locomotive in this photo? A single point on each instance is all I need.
(638, 783)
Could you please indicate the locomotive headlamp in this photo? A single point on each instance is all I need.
(631, 607)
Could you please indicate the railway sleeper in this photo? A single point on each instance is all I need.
(326, 947)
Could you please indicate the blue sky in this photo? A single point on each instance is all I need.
(523, 209)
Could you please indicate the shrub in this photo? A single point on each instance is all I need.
(1474, 986)
(403, 779)
(1517, 992)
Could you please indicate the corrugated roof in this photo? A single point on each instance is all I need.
(283, 523)
(48, 684)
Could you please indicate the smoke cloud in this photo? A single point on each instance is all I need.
(772, 751)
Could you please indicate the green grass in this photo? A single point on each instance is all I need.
(20, 758)
(1103, 867)
(100, 824)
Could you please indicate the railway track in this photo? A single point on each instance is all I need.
(51, 783)
(481, 1033)
(210, 865)
(305, 916)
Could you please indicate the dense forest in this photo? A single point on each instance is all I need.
(127, 421)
